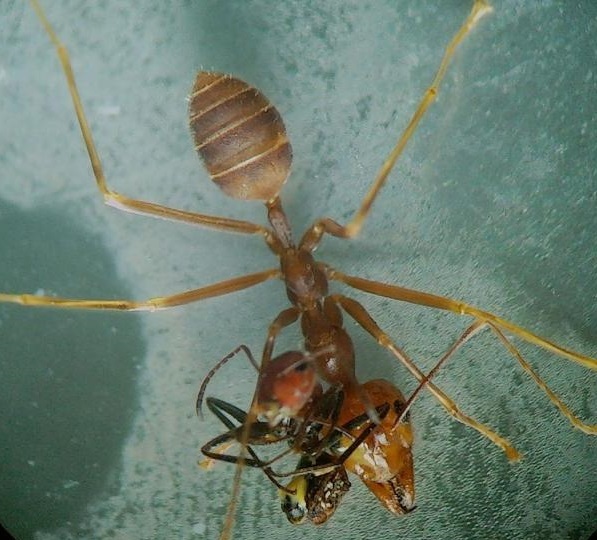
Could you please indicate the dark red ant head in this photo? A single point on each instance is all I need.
(286, 385)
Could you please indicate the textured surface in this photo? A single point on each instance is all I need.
(494, 202)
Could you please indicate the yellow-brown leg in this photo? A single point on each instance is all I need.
(483, 319)
(153, 304)
(115, 199)
(468, 334)
(326, 225)
(362, 317)
(421, 298)
(589, 429)
(284, 318)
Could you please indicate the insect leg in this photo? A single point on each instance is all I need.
(478, 326)
(222, 442)
(114, 199)
(362, 317)
(213, 371)
(589, 429)
(313, 235)
(283, 319)
(448, 304)
(153, 304)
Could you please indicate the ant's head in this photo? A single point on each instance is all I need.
(286, 385)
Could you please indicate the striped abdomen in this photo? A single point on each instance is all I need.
(240, 136)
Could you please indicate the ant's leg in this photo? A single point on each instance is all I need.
(153, 304)
(323, 412)
(313, 235)
(216, 448)
(469, 333)
(448, 304)
(589, 429)
(114, 199)
(223, 410)
(284, 318)
(362, 317)
(271, 399)
(475, 328)
(213, 371)
(485, 319)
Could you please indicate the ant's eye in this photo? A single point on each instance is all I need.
(302, 367)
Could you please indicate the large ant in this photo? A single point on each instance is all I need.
(332, 304)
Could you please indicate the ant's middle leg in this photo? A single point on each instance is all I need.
(153, 304)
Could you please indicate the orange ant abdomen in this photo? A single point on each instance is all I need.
(240, 137)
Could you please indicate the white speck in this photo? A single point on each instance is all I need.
(381, 439)
(199, 528)
(407, 500)
(583, 128)
(31, 463)
(109, 110)
(69, 484)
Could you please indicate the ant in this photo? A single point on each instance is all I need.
(380, 455)
(306, 280)
(295, 409)
(318, 483)
(296, 418)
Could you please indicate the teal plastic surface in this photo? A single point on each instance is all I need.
(494, 202)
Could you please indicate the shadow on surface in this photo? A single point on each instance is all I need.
(68, 404)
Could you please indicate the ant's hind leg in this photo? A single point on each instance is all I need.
(313, 235)
(484, 319)
(589, 429)
(421, 298)
(113, 198)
